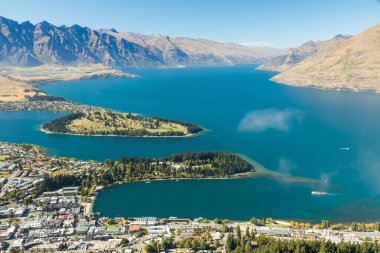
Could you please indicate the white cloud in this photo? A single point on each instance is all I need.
(368, 166)
(285, 166)
(262, 120)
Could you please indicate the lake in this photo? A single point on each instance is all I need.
(327, 135)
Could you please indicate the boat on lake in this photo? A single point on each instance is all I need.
(319, 193)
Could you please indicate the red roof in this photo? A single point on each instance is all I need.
(134, 228)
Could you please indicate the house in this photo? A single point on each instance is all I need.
(70, 191)
(159, 230)
(18, 244)
(113, 230)
(31, 223)
(134, 228)
(272, 231)
(50, 247)
(145, 221)
(20, 212)
(82, 227)
(5, 213)
(8, 233)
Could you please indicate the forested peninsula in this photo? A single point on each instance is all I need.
(107, 122)
(189, 165)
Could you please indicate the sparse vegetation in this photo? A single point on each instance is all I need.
(107, 122)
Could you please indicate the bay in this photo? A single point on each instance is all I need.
(327, 135)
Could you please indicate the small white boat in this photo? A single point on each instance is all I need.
(147, 182)
(319, 193)
(344, 148)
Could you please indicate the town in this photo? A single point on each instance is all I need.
(35, 219)
(46, 102)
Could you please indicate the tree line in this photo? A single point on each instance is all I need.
(60, 125)
(248, 242)
(184, 165)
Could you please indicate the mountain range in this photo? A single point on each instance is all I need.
(26, 44)
(341, 63)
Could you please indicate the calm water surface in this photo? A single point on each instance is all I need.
(295, 131)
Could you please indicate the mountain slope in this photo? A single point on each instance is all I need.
(31, 45)
(298, 54)
(351, 64)
(25, 44)
(195, 52)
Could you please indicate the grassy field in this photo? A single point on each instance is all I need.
(58, 172)
(4, 157)
(106, 122)
(15, 90)
(5, 174)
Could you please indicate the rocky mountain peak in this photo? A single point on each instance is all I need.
(44, 43)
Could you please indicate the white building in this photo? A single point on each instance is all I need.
(159, 230)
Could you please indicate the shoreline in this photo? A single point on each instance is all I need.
(338, 88)
(244, 175)
(31, 78)
(265, 172)
(259, 171)
(120, 75)
(40, 128)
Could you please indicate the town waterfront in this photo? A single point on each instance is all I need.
(327, 135)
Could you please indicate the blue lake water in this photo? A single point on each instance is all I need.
(295, 131)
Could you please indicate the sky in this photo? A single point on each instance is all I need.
(276, 23)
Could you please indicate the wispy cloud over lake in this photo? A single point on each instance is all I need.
(262, 120)
(368, 167)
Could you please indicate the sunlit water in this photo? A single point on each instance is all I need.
(295, 131)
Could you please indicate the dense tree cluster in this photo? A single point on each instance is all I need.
(222, 163)
(195, 244)
(192, 128)
(45, 98)
(53, 183)
(272, 245)
(184, 165)
(361, 226)
(247, 242)
(60, 125)
(159, 247)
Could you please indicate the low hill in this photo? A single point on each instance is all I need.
(351, 64)
(106, 122)
(296, 55)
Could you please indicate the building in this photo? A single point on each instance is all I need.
(145, 221)
(159, 230)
